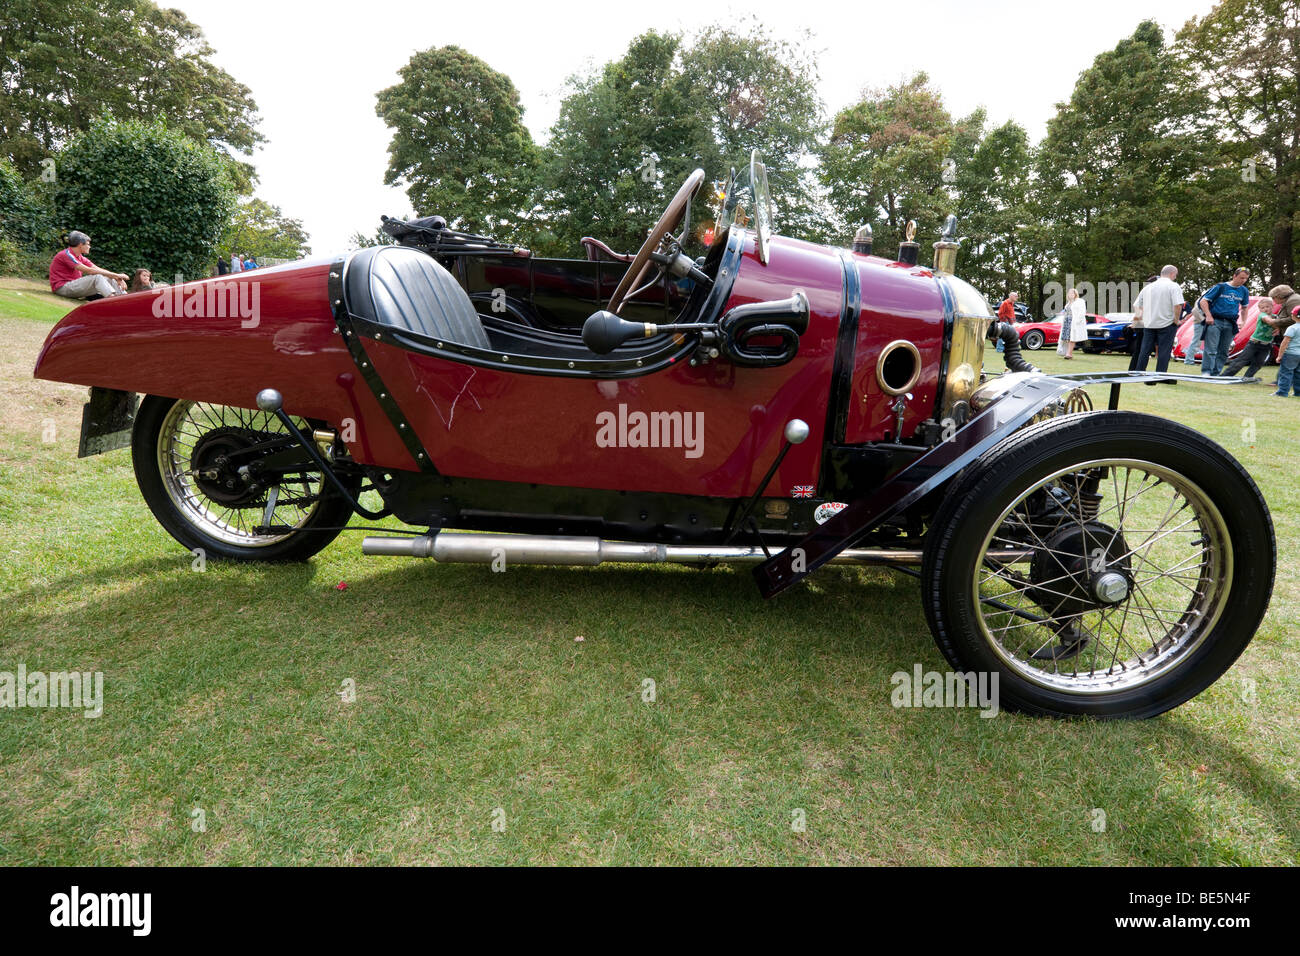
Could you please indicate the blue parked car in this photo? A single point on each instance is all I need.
(1112, 332)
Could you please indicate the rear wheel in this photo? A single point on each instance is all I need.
(1108, 564)
(1033, 340)
(203, 471)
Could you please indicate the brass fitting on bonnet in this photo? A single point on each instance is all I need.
(862, 240)
(945, 250)
(909, 249)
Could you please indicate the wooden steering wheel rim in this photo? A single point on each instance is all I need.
(641, 261)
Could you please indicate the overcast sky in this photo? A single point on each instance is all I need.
(314, 68)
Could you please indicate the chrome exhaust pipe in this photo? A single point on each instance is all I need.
(455, 547)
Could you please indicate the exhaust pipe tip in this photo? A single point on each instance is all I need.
(415, 547)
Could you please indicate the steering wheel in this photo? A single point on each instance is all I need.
(630, 284)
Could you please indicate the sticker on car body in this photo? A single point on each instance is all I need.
(826, 510)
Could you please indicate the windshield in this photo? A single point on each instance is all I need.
(746, 200)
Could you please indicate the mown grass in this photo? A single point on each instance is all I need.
(474, 695)
(29, 299)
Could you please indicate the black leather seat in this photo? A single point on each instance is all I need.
(407, 289)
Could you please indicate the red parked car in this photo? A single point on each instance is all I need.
(770, 402)
(1034, 335)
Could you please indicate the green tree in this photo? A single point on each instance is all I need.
(147, 195)
(364, 240)
(1245, 54)
(624, 141)
(66, 63)
(996, 204)
(24, 214)
(459, 144)
(260, 229)
(629, 133)
(753, 91)
(888, 157)
(1119, 161)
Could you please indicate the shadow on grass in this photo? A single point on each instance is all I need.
(1273, 796)
(711, 627)
(132, 573)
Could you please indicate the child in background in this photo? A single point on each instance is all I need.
(1287, 362)
(141, 281)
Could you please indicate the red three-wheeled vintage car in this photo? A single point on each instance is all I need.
(772, 402)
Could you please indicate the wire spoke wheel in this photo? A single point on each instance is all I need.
(1108, 564)
(1127, 579)
(210, 475)
(198, 446)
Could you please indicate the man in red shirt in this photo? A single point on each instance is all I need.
(1007, 310)
(75, 276)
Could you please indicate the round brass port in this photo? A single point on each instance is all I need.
(898, 367)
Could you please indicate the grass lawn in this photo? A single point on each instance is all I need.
(29, 299)
(477, 702)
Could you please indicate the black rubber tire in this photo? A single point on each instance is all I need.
(974, 502)
(1033, 340)
(331, 514)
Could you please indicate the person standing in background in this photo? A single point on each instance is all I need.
(1074, 326)
(1158, 306)
(236, 263)
(1222, 305)
(1007, 312)
(1135, 329)
(1287, 360)
(223, 266)
(1198, 332)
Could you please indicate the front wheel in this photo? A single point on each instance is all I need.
(1033, 340)
(211, 476)
(1108, 564)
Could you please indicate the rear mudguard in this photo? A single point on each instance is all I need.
(222, 340)
(1009, 402)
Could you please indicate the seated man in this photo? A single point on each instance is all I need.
(75, 276)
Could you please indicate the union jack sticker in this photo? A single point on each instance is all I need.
(803, 491)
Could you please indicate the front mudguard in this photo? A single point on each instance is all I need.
(1000, 407)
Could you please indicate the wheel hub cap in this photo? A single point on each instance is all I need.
(1110, 587)
(1083, 565)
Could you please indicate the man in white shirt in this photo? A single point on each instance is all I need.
(1158, 306)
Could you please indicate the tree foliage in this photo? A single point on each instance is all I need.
(630, 133)
(622, 144)
(998, 209)
(260, 229)
(1245, 56)
(889, 156)
(459, 145)
(24, 216)
(753, 91)
(64, 64)
(1118, 160)
(148, 196)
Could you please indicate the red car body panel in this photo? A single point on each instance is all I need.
(124, 343)
(493, 424)
(900, 302)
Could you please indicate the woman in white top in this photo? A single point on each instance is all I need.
(1074, 327)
